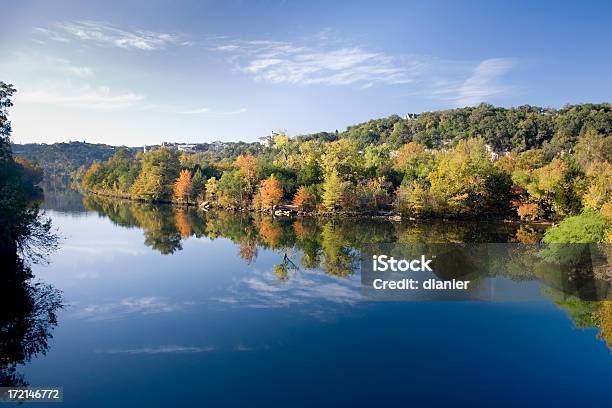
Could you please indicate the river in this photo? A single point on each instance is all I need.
(172, 307)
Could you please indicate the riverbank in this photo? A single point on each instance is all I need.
(285, 210)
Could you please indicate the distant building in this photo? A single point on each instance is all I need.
(412, 116)
(188, 148)
(169, 145)
(266, 141)
(217, 146)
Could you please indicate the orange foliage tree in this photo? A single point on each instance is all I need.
(248, 166)
(182, 186)
(271, 192)
(303, 199)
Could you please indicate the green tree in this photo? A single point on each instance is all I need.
(197, 186)
(232, 190)
(588, 227)
(160, 168)
(22, 226)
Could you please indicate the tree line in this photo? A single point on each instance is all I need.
(539, 164)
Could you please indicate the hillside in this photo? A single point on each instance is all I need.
(62, 159)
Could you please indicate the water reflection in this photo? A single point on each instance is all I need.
(27, 318)
(60, 197)
(316, 259)
(328, 244)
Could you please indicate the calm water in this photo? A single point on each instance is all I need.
(169, 307)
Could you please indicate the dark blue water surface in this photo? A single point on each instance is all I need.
(201, 326)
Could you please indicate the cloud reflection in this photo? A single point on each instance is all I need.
(162, 350)
(263, 290)
(127, 307)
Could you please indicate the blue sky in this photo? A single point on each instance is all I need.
(143, 72)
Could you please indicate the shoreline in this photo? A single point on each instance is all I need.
(390, 216)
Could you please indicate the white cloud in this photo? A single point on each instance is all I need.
(283, 62)
(107, 35)
(262, 290)
(85, 97)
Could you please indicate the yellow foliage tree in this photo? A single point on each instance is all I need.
(599, 191)
(407, 154)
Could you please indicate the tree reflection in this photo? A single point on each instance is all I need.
(585, 313)
(331, 245)
(27, 318)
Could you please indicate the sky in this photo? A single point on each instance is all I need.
(142, 72)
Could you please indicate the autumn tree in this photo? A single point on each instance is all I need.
(555, 187)
(466, 180)
(334, 190)
(413, 161)
(413, 199)
(593, 147)
(304, 198)
(343, 157)
(212, 187)
(183, 187)
(249, 167)
(599, 190)
(271, 192)
(282, 143)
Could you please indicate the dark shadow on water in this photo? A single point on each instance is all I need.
(28, 315)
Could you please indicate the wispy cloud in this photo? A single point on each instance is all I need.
(107, 35)
(44, 65)
(483, 83)
(85, 97)
(325, 61)
(50, 34)
(285, 62)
